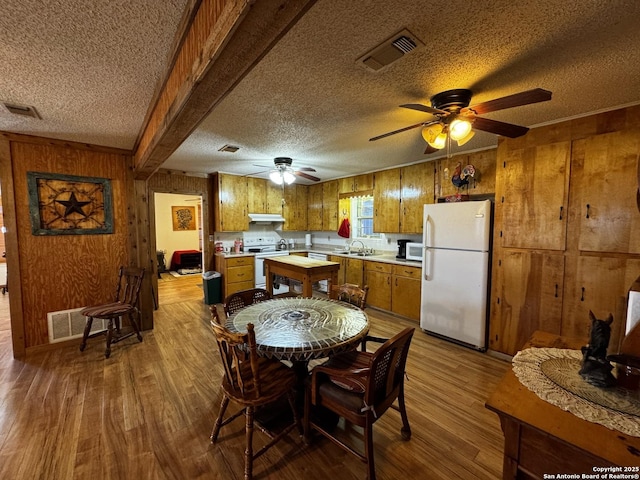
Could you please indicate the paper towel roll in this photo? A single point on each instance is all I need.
(307, 240)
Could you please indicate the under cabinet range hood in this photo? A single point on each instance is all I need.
(265, 218)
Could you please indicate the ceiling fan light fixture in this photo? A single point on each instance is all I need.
(440, 142)
(276, 177)
(282, 175)
(464, 140)
(430, 133)
(288, 177)
(459, 129)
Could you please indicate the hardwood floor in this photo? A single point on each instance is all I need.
(147, 411)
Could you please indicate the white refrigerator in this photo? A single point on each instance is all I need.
(455, 271)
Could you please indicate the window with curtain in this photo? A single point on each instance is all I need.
(362, 218)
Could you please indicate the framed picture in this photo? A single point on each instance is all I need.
(69, 205)
(183, 218)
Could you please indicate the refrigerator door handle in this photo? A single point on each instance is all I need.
(427, 232)
(426, 262)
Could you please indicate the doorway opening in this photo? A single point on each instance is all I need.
(179, 246)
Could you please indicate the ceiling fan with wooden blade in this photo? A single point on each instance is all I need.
(283, 172)
(456, 120)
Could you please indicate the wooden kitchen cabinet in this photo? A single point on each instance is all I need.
(315, 207)
(567, 229)
(329, 206)
(416, 189)
(295, 207)
(378, 278)
(405, 291)
(534, 198)
(386, 201)
(237, 273)
(343, 267)
(273, 198)
(354, 271)
(230, 207)
(603, 186)
(263, 196)
(257, 195)
(527, 296)
(598, 283)
(357, 184)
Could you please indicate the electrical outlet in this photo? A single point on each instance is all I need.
(211, 238)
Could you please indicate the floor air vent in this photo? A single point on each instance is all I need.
(389, 51)
(69, 324)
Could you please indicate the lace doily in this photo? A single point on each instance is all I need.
(552, 374)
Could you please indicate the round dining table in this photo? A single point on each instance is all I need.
(301, 329)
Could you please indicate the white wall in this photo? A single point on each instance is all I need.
(167, 239)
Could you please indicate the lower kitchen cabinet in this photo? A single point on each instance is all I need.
(378, 278)
(354, 271)
(405, 291)
(237, 273)
(343, 265)
(395, 288)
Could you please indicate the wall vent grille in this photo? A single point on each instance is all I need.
(69, 324)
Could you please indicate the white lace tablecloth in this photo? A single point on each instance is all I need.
(552, 374)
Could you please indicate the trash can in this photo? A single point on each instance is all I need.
(212, 286)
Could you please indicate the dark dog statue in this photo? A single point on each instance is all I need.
(596, 369)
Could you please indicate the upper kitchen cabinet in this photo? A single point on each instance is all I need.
(386, 201)
(416, 188)
(482, 183)
(294, 209)
(329, 206)
(264, 196)
(314, 207)
(604, 185)
(532, 195)
(356, 185)
(230, 205)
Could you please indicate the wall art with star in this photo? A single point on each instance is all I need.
(69, 205)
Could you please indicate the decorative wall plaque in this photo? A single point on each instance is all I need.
(69, 205)
(184, 218)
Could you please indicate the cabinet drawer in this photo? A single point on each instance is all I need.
(238, 286)
(238, 261)
(378, 267)
(240, 274)
(403, 271)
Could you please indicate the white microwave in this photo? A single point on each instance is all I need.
(414, 251)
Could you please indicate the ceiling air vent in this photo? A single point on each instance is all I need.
(23, 110)
(389, 51)
(229, 148)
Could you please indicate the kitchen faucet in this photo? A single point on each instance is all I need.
(360, 242)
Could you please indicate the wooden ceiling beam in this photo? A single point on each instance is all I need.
(225, 40)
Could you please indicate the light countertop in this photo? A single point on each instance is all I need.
(384, 256)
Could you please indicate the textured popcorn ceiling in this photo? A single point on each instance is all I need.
(90, 69)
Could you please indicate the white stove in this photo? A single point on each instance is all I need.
(263, 247)
(259, 244)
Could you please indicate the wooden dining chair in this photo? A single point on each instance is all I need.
(360, 387)
(252, 382)
(243, 298)
(350, 293)
(125, 304)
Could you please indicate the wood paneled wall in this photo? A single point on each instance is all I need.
(67, 271)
